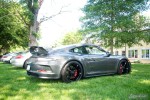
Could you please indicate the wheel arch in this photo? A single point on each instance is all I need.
(127, 61)
(24, 64)
(25, 61)
(123, 59)
(70, 61)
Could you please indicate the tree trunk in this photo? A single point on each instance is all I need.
(112, 27)
(34, 28)
(111, 46)
(33, 41)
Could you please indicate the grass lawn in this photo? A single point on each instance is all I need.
(16, 85)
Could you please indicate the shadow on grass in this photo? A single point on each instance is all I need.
(16, 68)
(39, 80)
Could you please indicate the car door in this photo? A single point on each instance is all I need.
(97, 61)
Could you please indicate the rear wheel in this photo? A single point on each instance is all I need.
(124, 67)
(72, 72)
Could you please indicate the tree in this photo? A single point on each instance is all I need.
(33, 6)
(113, 20)
(72, 38)
(13, 33)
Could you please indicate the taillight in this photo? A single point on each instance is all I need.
(19, 56)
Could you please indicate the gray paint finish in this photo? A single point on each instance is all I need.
(98, 62)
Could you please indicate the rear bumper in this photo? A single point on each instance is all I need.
(43, 68)
(17, 63)
(43, 75)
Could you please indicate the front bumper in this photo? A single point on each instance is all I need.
(6, 60)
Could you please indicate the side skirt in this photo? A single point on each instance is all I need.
(102, 74)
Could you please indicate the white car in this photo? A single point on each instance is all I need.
(7, 57)
(20, 59)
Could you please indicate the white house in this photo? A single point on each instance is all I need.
(136, 53)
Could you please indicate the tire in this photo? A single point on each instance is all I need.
(124, 67)
(72, 71)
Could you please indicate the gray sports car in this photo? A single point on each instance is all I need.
(73, 62)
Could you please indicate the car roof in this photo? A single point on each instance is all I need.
(68, 47)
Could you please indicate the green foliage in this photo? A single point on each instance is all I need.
(37, 35)
(15, 84)
(13, 31)
(31, 7)
(72, 38)
(117, 22)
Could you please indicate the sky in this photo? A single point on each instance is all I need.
(54, 29)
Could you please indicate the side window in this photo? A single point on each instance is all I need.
(80, 50)
(94, 50)
(77, 50)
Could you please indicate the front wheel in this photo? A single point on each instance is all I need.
(72, 71)
(124, 67)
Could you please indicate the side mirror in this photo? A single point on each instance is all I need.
(108, 54)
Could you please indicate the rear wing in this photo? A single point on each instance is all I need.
(38, 51)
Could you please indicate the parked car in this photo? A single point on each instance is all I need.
(73, 62)
(7, 57)
(20, 59)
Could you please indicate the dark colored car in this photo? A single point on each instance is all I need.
(73, 62)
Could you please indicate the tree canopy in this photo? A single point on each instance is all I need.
(117, 22)
(13, 31)
(72, 38)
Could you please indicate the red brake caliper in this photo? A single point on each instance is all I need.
(121, 69)
(75, 73)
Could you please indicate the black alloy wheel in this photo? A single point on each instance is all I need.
(72, 71)
(124, 67)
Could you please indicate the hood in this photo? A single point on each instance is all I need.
(38, 51)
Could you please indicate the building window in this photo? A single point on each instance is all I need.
(136, 53)
(146, 53)
(116, 52)
(123, 53)
(133, 53)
